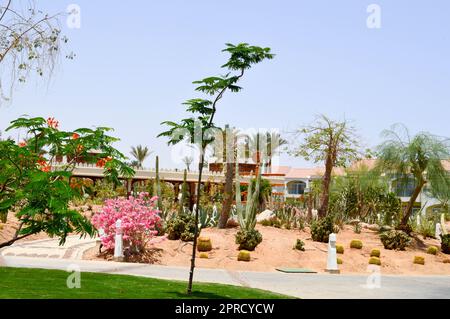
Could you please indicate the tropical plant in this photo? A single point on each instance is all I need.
(247, 237)
(395, 239)
(322, 228)
(139, 219)
(200, 130)
(331, 142)
(38, 189)
(140, 153)
(419, 157)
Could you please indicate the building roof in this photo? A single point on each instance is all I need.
(293, 172)
(314, 172)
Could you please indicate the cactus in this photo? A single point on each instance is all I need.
(356, 244)
(375, 261)
(375, 253)
(244, 255)
(443, 228)
(204, 244)
(339, 261)
(157, 187)
(203, 255)
(419, 260)
(432, 250)
(247, 215)
(339, 249)
(184, 194)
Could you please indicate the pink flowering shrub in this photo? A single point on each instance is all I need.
(139, 221)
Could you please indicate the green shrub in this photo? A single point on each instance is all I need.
(375, 253)
(273, 222)
(299, 245)
(204, 244)
(339, 261)
(339, 249)
(244, 255)
(357, 228)
(357, 244)
(321, 229)
(181, 227)
(248, 239)
(432, 250)
(395, 239)
(419, 260)
(445, 243)
(375, 261)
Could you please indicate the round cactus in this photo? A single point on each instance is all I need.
(375, 261)
(339, 249)
(446, 261)
(339, 261)
(357, 244)
(375, 253)
(203, 255)
(244, 255)
(204, 244)
(419, 260)
(432, 250)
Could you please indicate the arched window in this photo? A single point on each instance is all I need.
(296, 187)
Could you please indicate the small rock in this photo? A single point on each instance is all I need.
(267, 214)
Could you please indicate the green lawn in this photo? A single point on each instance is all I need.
(49, 284)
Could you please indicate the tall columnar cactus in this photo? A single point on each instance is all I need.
(184, 194)
(247, 214)
(443, 228)
(157, 187)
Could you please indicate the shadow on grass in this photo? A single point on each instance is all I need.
(197, 295)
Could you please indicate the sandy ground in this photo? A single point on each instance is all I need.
(276, 251)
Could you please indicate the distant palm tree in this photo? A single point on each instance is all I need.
(187, 160)
(140, 153)
(265, 144)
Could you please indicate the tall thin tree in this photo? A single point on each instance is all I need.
(242, 57)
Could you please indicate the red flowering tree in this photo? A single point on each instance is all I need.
(37, 189)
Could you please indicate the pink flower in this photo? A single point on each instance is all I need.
(139, 221)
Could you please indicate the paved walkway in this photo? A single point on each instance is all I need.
(46, 254)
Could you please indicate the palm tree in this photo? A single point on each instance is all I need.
(187, 160)
(140, 153)
(264, 145)
(420, 158)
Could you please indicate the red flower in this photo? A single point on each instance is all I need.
(46, 168)
(80, 148)
(102, 161)
(75, 136)
(51, 122)
(22, 144)
(41, 161)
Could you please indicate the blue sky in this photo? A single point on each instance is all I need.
(136, 62)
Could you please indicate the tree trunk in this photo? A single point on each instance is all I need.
(227, 196)
(194, 246)
(408, 210)
(325, 196)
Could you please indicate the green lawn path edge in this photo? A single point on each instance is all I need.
(29, 283)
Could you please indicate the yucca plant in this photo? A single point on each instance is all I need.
(247, 237)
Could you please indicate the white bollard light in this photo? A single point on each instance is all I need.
(332, 266)
(118, 243)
